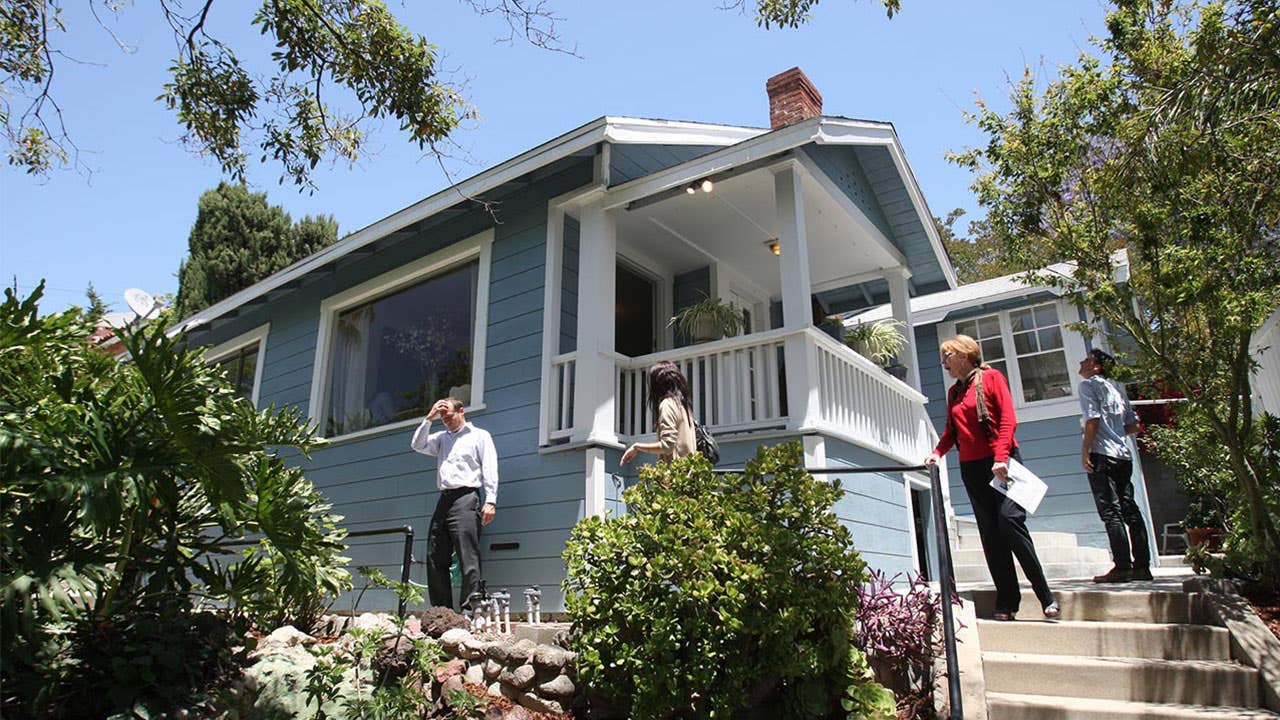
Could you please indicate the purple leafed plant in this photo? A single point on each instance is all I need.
(898, 629)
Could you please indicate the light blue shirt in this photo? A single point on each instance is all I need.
(1107, 402)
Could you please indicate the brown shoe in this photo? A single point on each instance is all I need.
(1142, 573)
(1114, 575)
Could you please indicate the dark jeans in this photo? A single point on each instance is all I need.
(454, 525)
(1112, 485)
(1002, 525)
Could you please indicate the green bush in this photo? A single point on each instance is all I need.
(131, 493)
(718, 593)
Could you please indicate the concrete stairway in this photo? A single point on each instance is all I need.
(1060, 556)
(1115, 653)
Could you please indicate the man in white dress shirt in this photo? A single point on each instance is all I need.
(467, 464)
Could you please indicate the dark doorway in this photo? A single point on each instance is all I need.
(920, 511)
(634, 314)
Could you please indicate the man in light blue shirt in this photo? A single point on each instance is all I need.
(466, 464)
(1108, 419)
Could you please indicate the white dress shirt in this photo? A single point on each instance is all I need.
(466, 458)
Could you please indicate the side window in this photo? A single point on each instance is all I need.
(241, 359)
(986, 330)
(1042, 361)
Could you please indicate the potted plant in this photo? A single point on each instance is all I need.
(708, 319)
(880, 342)
(833, 325)
(1203, 521)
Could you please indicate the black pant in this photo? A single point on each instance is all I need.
(1002, 525)
(454, 525)
(1112, 485)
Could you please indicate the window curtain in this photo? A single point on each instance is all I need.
(350, 372)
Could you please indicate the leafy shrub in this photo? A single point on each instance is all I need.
(129, 493)
(901, 633)
(721, 592)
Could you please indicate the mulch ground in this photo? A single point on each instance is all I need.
(1266, 603)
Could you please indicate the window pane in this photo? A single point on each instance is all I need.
(392, 357)
(968, 327)
(1002, 366)
(992, 349)
(248, 369)
(1044, 376)
(1050, 338)
(1024, 343)
(1046, 315)
(989, 326)
(1020, 320)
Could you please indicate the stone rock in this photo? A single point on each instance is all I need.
(520, 677)
(537, 704)
(499, 651)
(436, 621)
(558, 687)
(413, 625)
(495, 688)
(472, 648)
(521, 651)
(451, 639)
(377, 623)
(277, 683)
(475, 674)
(453, 668)
(515, 712)
(509, 691)
(562, 640)
(448, 686)
(491, 669)
(551, 657)
(394, 657)
(283, 637)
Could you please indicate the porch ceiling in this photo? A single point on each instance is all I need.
(734, 222)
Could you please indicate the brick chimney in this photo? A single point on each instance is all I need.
(792, 98)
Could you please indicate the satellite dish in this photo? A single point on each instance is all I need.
(141, 302)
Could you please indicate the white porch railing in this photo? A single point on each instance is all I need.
(738, 384)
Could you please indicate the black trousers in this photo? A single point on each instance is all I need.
(1002, 525)
(455, 525)
(1112, 484)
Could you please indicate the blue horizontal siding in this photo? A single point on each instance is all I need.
(628, 162)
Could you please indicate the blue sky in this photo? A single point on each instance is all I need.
(125, 222)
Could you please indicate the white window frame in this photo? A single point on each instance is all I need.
(1072, 345)
(256, 336)
(478, 246)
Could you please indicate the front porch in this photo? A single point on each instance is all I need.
(774, 233)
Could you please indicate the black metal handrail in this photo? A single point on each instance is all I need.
(946, 573)
(408, 554)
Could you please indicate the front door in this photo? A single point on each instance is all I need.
(634, 315)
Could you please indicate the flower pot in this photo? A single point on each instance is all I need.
(1210, 538)
(898, 371)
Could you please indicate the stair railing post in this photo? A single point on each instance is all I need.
(946, 587)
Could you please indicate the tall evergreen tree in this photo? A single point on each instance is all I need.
(95, 306)
(238, 239)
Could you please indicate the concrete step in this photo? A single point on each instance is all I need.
(968, 539)
(1015, 706)
(1047, 554)
(1156, 641)
(1052, 571)
(1124, 678)
(1100, 605)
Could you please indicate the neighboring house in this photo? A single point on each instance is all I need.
(1266, 380)
(1022, 329)
(105, 335)
(542, 308)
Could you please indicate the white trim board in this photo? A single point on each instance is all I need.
(478, 246)
(257, 335)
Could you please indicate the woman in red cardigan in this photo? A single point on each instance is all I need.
(981, 421)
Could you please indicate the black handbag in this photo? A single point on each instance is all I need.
(706, 443)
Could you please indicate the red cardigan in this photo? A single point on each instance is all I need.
(977, 442)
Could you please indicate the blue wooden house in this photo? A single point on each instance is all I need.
(539, 291)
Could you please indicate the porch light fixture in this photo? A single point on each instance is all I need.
(705, 185)
(774, 246)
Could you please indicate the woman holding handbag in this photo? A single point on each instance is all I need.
(672, 412)
(981, 422)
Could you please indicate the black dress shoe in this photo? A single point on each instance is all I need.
(1142, 573)
(1114, 575)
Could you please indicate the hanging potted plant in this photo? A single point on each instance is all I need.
(708, 319)
(880, 342)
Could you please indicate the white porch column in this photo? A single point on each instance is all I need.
(593, 497)
(900, 301)
(797, 311)
(593, 396)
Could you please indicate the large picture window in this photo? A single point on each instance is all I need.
(393, 356)
(1027, 345)
(391, 346)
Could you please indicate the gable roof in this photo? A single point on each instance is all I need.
(733, 146)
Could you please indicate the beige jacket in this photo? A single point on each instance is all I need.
(675, 430)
